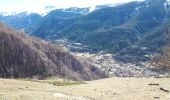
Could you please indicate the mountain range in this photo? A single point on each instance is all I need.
(22, 21)
(133, 32)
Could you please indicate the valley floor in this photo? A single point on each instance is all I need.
(105, 89)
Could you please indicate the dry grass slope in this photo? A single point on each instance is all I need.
(106, 89)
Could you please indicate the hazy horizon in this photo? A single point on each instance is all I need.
(39, 6)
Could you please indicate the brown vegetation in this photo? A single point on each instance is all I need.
(162, 60)
(25, 56)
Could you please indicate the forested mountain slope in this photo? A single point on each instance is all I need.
(24, 56)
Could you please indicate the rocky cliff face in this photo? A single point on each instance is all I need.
(24, 56)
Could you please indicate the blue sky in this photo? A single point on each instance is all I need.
(39, 5)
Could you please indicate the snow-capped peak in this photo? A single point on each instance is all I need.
(7, 13)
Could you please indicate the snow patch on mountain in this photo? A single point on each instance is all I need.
(137, 9)
(146, 4)
(166, 4)
(92, 8)
(78, 10)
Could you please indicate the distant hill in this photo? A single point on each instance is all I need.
(24, 56)
(57, 20)
(27, 21)
(79, 28)
(152, 43)
(22, 21)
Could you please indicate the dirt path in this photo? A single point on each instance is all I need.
(106, 89)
